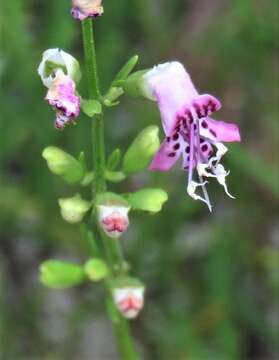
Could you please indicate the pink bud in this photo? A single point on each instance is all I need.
(129, 300)
(113, 219)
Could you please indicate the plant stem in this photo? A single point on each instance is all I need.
(120, 325)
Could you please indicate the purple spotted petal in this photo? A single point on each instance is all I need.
(165, 157)
(218, 130)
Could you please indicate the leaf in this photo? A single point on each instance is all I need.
(113, 159)
(126, 69)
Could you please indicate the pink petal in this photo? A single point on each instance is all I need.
(173, 89)
(165, 157)
(219, 130)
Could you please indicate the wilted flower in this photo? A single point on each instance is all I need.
(129, 299)
(62, 96)
(59, 72)
(83, 9)
(189, 130)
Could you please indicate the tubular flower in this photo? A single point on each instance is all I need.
(129, 300)
(189, 129)
(62, 96)
(83, 9)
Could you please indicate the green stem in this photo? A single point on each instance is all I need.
(120, 325)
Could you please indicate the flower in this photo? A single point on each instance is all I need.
(60, 72)
(62, 96)
(54, 59)
(129, 299)
(83, 9)
(189, 129)
(113, 219)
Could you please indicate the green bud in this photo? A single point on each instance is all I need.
(60, 274)
(96, 269)
(63, 164)
(148, 199)
(142, 149)
(73, 209)
(91, 107)
(134, 85)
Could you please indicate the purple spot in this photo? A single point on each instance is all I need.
(213, 132)
(204, 148)
(168, 139)
(172, 154)
(175, 136)
(187, 149)
(204, 124)
(176, 146)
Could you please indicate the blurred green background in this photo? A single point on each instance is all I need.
(212, 279)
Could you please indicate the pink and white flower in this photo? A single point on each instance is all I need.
(83, 9)
(189, 129)
(62, 96)
(113, 219)
(129, 300)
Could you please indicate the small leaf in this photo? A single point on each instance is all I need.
(91, 107)
(96, 269)
(113, 159)
(149, 199)
(126, 69)
(59, 274)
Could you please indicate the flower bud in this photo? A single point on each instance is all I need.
(83, 9)
(135, 85)
(113, 214)
(60, 274)
(142, 149)
(73, 209)
(128, 296)
(54, 59)
(96, 269)
(63, 164)
(148, 199)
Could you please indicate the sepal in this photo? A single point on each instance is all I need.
(91, 107)
(59, 274)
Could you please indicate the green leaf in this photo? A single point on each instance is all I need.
(59, 274)
(126, 69)
(96, 269)
(149, 199)
(113, 159)
(91, 107)
(63, 164)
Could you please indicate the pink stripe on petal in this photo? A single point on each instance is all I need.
(219, 130)
(165, 157)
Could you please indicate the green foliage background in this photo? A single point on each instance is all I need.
(212, 280)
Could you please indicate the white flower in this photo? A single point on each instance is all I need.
(113, 219)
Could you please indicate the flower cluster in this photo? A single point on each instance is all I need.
(59, 72)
